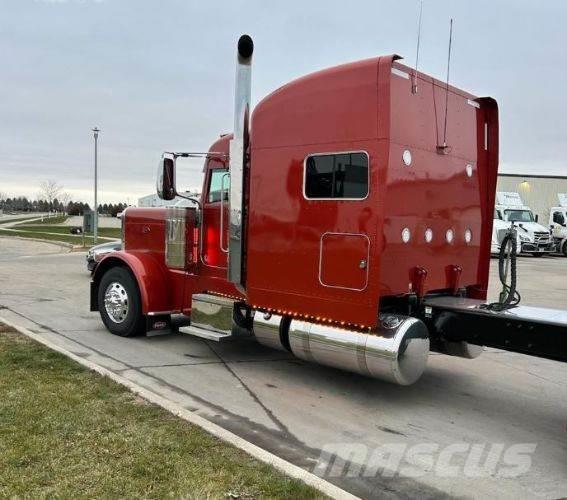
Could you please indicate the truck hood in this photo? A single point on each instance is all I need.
(531, 227)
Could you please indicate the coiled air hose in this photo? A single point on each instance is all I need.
(509, 296)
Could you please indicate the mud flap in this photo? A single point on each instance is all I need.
(159, 325)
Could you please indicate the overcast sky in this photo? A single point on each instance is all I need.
(159, 75)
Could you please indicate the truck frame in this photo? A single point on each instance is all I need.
(338, 223)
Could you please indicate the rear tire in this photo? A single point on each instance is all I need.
(119, 303)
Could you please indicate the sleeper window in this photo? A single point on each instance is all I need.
(336, 176)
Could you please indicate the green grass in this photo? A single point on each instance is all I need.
(68, 432)
(41, 230)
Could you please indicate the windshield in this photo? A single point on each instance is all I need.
(519, 215)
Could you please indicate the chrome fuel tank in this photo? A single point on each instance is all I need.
(397, 352)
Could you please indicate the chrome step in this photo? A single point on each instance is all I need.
(207, 334)
(212, 319)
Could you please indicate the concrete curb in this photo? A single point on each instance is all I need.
(70, 246)
(255, 451)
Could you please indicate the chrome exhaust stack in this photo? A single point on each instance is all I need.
(396, 353)
(238, 148)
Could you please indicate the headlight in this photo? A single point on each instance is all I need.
(524, 238)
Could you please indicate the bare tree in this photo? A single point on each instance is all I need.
(49, 190)
(2, 196)
(65, 198)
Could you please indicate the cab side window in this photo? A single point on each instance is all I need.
(558, 218)
(218, 185)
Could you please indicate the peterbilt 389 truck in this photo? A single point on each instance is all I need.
(347, 220)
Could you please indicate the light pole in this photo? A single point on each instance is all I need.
(96, 130)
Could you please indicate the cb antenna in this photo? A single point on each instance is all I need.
(414, 82)
(444, 147)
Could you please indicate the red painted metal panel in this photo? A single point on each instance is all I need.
(335, 110)
(343, 261)
(434, 192)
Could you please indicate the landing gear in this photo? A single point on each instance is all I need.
(119, 303)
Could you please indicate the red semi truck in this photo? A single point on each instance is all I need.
(347, 220)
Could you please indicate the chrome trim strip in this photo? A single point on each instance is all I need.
(336, 153)
(221, 235)
(321, 261)
(159, 313)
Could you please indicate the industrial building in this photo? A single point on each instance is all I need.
(539, 192)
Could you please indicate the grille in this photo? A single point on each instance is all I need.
(541, 238)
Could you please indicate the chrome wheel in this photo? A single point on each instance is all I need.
(116, 302)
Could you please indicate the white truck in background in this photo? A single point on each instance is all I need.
(533, 238)
(558, 224)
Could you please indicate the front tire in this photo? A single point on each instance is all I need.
(119, 302)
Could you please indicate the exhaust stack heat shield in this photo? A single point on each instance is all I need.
(237, 163)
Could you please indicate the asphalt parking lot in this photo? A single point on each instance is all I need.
(295, 409)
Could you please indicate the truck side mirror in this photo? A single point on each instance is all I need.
(536, 217)
(165, 184)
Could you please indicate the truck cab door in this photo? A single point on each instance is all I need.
(558, 224)
(214, 238)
